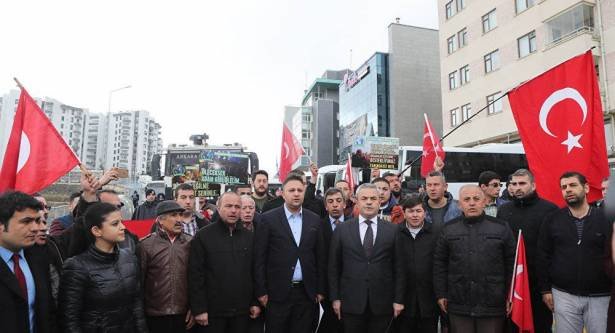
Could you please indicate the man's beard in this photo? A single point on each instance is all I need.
(576, 202)
(396, 194)
(259, 193)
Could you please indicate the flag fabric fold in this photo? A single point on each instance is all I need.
(431, 148)
(349, 176)
(520, 292)
(36, 154)
(290, 152)
(560, 121)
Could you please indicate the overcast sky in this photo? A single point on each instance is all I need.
(226, 68)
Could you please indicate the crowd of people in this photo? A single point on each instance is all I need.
(370, 259)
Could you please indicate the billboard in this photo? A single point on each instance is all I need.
(206, 169)
(375, 153)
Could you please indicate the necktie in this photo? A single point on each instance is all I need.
(368, 239)
(336, 222)
(21, 279)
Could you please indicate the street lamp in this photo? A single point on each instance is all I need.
(111, 94)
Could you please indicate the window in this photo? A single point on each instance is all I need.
(527, 44)
(461, 4)
(464, 75)
(492, 61)
(522, 5)
(494, 107)
(450, 9)
(462, 37)
(489, 21)
(465, 112)
(452, 44)
(576, 19)
(452, 80)
(454, 120)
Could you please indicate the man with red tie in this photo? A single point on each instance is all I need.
(24, 278)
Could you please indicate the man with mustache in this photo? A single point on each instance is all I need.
(260, 181)
(164, 267)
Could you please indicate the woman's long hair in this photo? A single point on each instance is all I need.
(82, 236)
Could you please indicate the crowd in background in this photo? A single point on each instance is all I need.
(374, 259)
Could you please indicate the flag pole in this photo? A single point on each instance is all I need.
(512, 282)
(409, 165)
(433, 144)
(18, 83)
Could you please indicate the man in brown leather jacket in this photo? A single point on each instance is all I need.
(164, 265)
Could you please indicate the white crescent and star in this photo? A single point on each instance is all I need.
(567, 93)
(519, 271)
(24, 151)
(286, 149)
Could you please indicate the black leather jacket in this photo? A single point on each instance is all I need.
(101, 292)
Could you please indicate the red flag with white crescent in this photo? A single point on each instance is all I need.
(431, 149)
(520, 292)
(349, 177)
(291, 151)
(36, 154)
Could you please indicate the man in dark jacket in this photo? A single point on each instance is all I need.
(473, 264)
(310, 201)
(220, 272)
(260, 181)
(418, 241)
(335, 204)
(290, 262)
(572, 253)
(440, 205)
(164, 270)
(64, 222)
(147, 210)
(25, 296)
(526, 212)
(366, 268)
(389, 210)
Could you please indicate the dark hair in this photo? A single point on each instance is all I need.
(411, 201)
(260, 172)
(149, 191)
(238, 186)
(292, 177)
(437, 174)
(74, 196)
(11, 202)
(569, 174)
(380, 180)
(333, 191)
(182, 187)
(523, 173)
(95, 215)
(341, 181)
(389, 174)
(486, 176)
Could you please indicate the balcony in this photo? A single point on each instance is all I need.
(576, 21)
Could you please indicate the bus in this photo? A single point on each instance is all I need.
(464, 165)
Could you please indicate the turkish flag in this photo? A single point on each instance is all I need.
(349, 177)
(139, 228)
(520, 292)
(431, 148)
(290, 152)
(36, 154)
(559, 117)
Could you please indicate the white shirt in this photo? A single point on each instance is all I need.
(414, 231)
(332, 221)
(363, 227)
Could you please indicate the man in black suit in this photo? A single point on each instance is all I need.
(25, 294)
(290, 262)
(335, 203)
(366, 268)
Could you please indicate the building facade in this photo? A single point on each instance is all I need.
(489, 47)
(124, 139)
(389, 93)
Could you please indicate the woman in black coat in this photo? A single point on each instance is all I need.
(100, 288)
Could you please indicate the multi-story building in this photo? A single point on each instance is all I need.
(133, 137)
(489, 47)
(125, 139)
(389, 93)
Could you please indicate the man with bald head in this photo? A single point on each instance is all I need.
(473, 264)
(220, 272)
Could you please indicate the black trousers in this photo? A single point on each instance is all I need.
(367, 322)
(166, 324)
(329, 322)
(417, 325)
(235, 324)
(296, 314)
(467, 324)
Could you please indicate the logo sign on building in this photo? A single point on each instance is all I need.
(352, 78)
(375, 153)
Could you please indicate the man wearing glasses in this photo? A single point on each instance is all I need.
(526, 212)
(490, 184)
